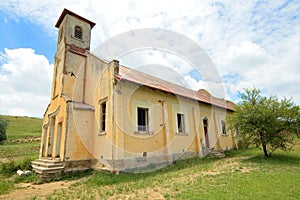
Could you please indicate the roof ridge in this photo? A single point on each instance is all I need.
(132, 75)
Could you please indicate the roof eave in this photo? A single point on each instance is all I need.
(119, 79)
(66, 11)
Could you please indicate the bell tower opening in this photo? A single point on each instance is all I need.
(78, 32)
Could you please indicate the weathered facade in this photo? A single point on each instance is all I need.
(106, 116)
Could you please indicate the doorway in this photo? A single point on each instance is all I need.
(45, 132)
(51, 137)
(58, 140)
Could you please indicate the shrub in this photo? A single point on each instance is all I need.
(3, 125)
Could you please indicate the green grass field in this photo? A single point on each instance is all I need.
(242, 174)
(23, 135)
(23, 127)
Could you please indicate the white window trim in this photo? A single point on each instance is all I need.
(142, 104)
(100, 102)
(180, 109)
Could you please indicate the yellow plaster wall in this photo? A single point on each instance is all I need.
(133, 143)
(130, 96)
(79, 142)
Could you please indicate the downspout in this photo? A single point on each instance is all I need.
(115, 71)
(84, 80)
(113, 130)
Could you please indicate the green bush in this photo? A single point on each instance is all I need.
(3, 126)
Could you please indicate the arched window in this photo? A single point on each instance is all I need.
(78, 32)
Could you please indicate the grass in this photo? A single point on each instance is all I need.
(23, 127)
(243, 174)
(23, 135)
(20, 148)
(19, 151)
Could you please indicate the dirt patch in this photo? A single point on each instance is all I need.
(3, 160)
(29, 191)
(141, 194)
(24, 140)
(210, 173)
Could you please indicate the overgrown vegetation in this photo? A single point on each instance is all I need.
(20, 148)
(242, 174)
(11, 167)
(267, 122)
(8, 170)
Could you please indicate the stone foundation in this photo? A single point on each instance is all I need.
(77, 165)
(147, 163)
(132, 165)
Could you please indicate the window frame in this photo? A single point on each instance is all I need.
(103, 111)
(101, 102)
(144, 126)
(180, 124)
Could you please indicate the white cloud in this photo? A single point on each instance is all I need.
(25, 82)
(252, 43)
(276, 74)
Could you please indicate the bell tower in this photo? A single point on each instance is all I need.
(73, 42)
(74, 29)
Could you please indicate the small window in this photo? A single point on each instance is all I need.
(180, 123)
(142, 115)
(223, 124)
(102, 116)
(78, 32)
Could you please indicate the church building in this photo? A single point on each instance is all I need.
(103, 115)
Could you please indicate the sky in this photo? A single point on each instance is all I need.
(251, 44)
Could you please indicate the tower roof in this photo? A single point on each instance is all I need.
(66, 11)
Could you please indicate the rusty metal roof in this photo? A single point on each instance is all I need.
(201, 95)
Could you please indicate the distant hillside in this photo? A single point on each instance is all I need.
(23, 127)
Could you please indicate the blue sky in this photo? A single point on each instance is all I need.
(21, 33)
(251, 43)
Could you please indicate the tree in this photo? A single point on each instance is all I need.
(3, 125)
(267, 122)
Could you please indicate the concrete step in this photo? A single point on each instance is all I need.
(48, 168)
(44, 170)
(216, 153)
(49, 160)
(46, 165)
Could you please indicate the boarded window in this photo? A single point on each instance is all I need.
(103, 116)
(78, 32)
(180, 123)
(142, 119)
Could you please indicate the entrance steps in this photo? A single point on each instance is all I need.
(216, 154)
(48, 168)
